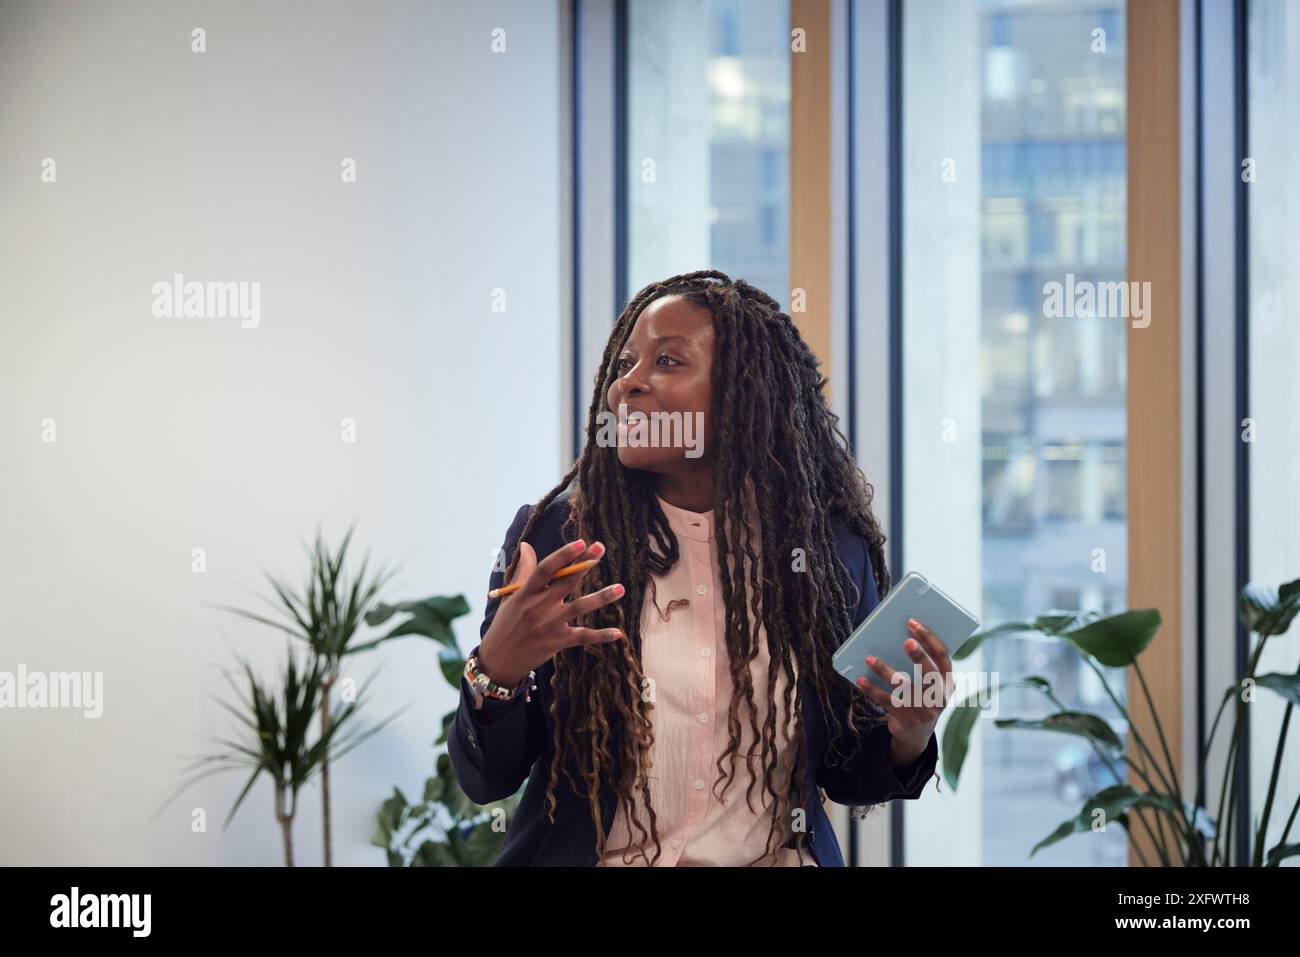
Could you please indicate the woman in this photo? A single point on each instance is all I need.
(753, 540)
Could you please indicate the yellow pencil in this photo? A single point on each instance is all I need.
(566, 570)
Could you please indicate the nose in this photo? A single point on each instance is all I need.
(632, 382)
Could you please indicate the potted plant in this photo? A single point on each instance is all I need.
(325, 615)
(446, 828)
(1185, 832)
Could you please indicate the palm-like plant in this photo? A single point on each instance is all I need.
(278, 742)
(1193, 837)
(327, 613)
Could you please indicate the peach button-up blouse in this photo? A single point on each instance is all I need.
(685, 658)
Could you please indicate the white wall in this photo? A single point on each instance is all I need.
(176, 434)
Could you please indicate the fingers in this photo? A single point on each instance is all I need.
(588, 603)
(562, 592)
(937, 650)
(886, 671)
(552, 563)
(926, 650)
(936, 658)
(527, 562)
(570, 585)
(875, 695)
(878, 695)
(591, 636)
(912, 647)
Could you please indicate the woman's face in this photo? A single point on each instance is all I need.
(666, 367)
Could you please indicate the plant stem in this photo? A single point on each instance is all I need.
(1110, 764)
(1140, 769)
(1223, 788)
(1191, 832)
(1159, 842)
(326, 685)
(1232, 752)
(286, 825)
(1133, 732)
(1137, 848)
(1205, 752)
(1201, 801)
(1272, 788)
(1232, 804)
(1290, 820)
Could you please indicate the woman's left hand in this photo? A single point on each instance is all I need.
(913, 713)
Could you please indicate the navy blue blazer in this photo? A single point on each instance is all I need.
(492, 760)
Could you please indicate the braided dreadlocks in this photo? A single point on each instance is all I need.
(774, 429)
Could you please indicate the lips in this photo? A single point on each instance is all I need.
(623, 418)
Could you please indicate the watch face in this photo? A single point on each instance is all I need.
(475, 694)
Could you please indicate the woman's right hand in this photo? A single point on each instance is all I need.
(532, 624)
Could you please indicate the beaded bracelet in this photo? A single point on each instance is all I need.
(487, 688)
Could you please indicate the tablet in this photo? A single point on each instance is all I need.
(883, 632)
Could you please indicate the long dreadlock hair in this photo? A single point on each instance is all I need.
(773, 428)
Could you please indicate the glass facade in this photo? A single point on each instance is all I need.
(709, 140)
(1014, 416)
(1014, 161)
(1273, 205)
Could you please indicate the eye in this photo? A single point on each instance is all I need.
(622, 362)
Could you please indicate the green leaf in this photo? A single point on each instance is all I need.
(1055, 622)
(1080, 723)
(483, 845)
(1114, 802)
(1280, 853)
(1051, 625)
(453, 798)
(956, 739)
(1032, 681)
(445, 607)
(972, 644)
(430, 617)
(1116, 641)
(434, 854)
(1267, 610)
(427, 625)
(452, 665)
(959, 727)
(1288, 686)
(383, 835)
(447, 720)
(434, 789)
(392, 810)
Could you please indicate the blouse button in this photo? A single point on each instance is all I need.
(702, 589)
(704, 719)
(705, 652)
(699, 785)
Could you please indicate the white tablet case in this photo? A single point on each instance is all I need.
(883, 632)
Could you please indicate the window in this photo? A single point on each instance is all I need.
(1064, 474)
(1114, 497)
(708, 140)
(1273, 84)
(1014, 177)
(1008, 485)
